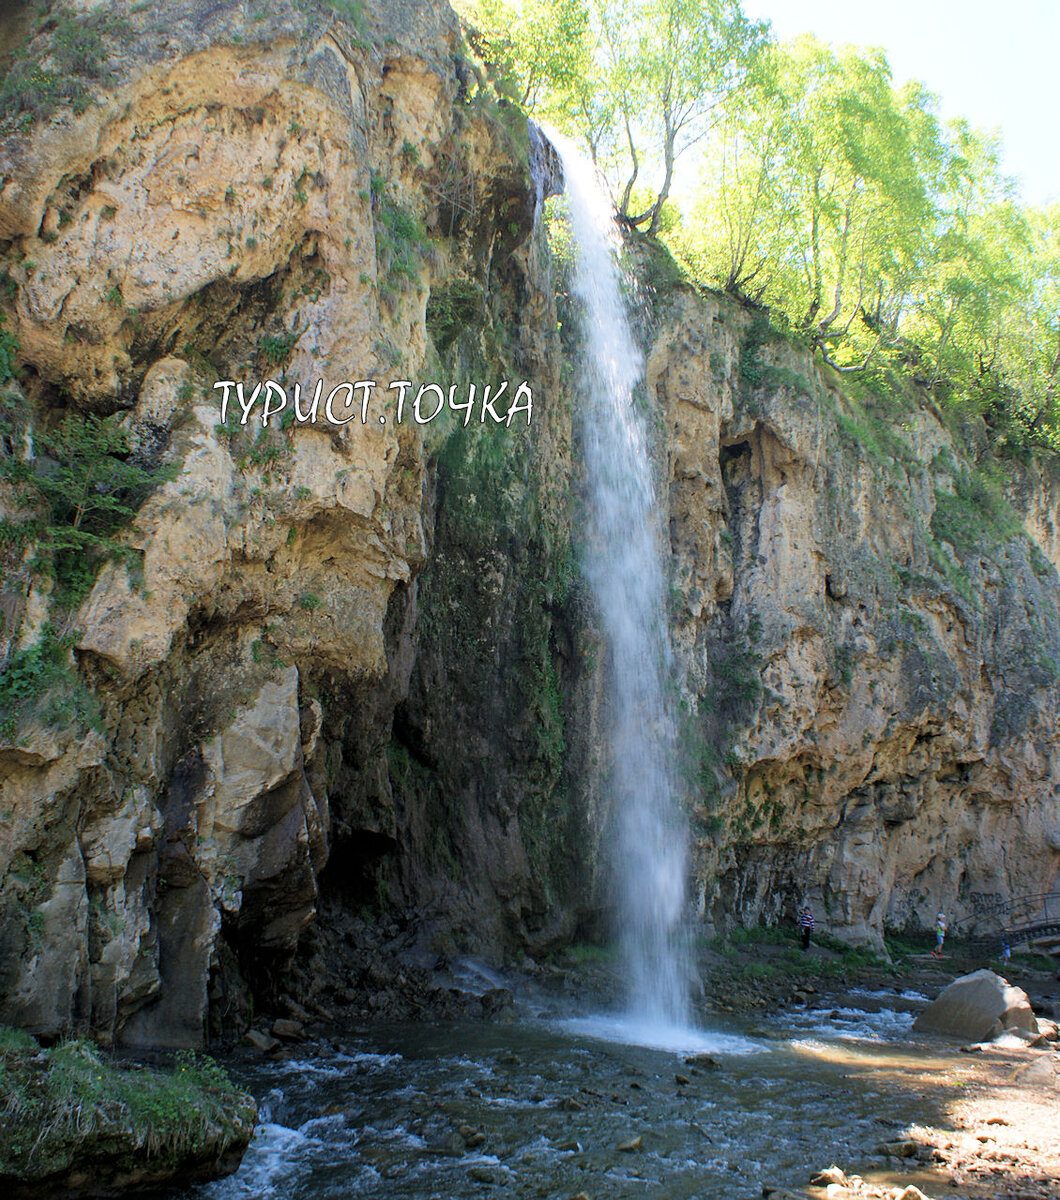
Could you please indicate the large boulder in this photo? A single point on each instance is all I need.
(977, 1006)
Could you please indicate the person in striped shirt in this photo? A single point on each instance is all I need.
(806, 926)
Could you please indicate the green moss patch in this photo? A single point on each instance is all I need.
(72, 1111)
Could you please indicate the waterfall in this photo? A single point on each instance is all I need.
(623, 564)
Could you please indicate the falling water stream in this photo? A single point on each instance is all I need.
(623, 562)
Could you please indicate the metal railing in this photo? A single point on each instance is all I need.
(1019, 917)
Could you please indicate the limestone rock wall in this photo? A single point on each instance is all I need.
(257, 191)
(869, 639)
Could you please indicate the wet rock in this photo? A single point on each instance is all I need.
(631, 1145)
(911, 1193)
(472, 1137)
(262, 1041)
(903, 1149)
(496, 1000)
(487, 1173)
(681, 1079)
(288, 1030)
(704, 1061)
(569, 1146)
(296, 1012)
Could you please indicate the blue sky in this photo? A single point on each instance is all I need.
(995, 63)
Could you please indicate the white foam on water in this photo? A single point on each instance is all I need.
(398, 1133)
(335, 1066)
(276, 1153)
(889, 994)
(853, 1024)
(653, 1035)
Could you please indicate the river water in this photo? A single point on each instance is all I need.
(537, 1107)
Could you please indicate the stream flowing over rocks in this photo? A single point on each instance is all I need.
(356, 672)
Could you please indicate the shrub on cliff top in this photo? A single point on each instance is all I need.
(63, 55)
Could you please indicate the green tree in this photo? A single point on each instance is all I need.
(640, 82)
(80, 488)
(815, 196)
(544, 43)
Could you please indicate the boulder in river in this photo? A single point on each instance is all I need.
(978, 1006)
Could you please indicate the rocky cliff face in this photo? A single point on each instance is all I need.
(342, 692)
(284, 193)
(868, 631)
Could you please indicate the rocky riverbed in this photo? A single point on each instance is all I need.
(816, 1069)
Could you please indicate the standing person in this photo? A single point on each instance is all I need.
(940, 934)
(806, 926)
(1006, 951)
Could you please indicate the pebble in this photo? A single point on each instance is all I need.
(830, 1174)
(899, 1149)
(487, 1174)
(705, 1061)
(681, 1079)
(631, 1145)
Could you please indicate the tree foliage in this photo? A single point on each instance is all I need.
(641, 82)
(78, 489)
(878, 232)
(872, 229)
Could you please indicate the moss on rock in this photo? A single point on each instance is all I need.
(70, 1113)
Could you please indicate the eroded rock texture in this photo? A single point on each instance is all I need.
(270, 193)
(869, 638)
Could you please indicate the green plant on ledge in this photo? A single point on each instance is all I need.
(44, 670)
(77, 494)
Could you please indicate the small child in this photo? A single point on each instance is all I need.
(940, 935)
